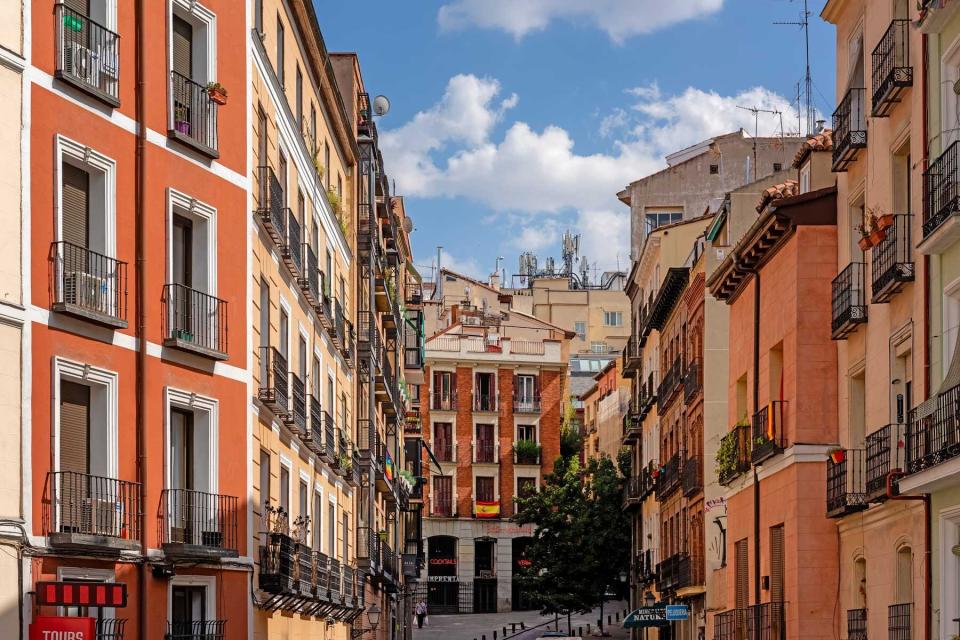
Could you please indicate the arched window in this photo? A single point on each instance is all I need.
(904, 584)
(859, 586)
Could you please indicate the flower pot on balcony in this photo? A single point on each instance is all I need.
(884, 222)
(838, 455)
(218, 95)
(182, 126)
(183, 334)
(877, 236)
(864, 243)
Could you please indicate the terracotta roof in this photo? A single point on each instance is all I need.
(777, 192)
(823, 141)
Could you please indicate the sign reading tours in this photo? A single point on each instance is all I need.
(63, 628)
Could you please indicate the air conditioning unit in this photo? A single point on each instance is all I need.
(106, 517)
(79, 62)
(87, 290)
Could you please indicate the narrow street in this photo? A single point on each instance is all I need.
(479, 625)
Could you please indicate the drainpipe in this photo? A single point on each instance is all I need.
(756, 405)
(892, 494)
(140, 303)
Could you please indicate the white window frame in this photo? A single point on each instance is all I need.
(87, 375)
(949, 101)
(525, 476)
(950, 330)
(209, 582)
(617, 315)
(190, 401)
(949, 571)
(332, 502)
(317, 534)
(93, 162)
(200, 17)
(191, 208)
(304, 478)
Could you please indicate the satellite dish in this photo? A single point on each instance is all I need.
(408, 225)
(381, 106)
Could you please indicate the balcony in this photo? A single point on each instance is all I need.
(646, 566)
(669, 479)
(329, 451)
(274, 391)
(728, 625)
(849, 129)
(297, 413)
(194, 321)
(201, 630)
(445, 451)
(766, 621)
(443, 400)
(486, 452)
(339, 333)
(733, 455)
(856, 624)
(670, 383)
(368, 441)
(441, 508)
(934, 438)
(692, 476)
(892, 72)
(674, 573)
(632, 357)
(110, 628)
(632, 426)
(849, 301)
(941, 201)
(88, 285)
(485, 402)
(194, 117)
(526, 402)
(846, 483)
(271, 205)
(884, 454)
(648, 396)
(769, 432)
(527, 453)
(87, 55)
(291, 251)
(309, 279)
(692, 380)
(892, 260)
(899, 621)
(368, 550)
(313, 437)
(195, 524)
(83, 511)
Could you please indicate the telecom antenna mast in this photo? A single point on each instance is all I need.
(804, 23)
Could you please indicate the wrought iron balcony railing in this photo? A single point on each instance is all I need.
(846, 483)
(941, 189)
(674, 573)
(196, 523)
(669, 480)
(88, 285)
(194, 117)
(727, 625)
(899, 621)
(856, 624)
(766, 621)
(274, 391)
(646, 566)
(91, 511)
(849, 301)
(485, 452)
(194, 321)
(692, 475)
(934, 438)
(292, 249)
(443, 400)
(309, 280)
(892, 259)
(733, 456)
(314, 433)
(769, 432)
(885, 452)
(892, 71)
(297, 413)
(485, 401)
(526, 402)
(632, 490)
(110, 628)
(632, 425)
(670, 383)
(632, 357)
(88, 55)
(692, 380)
(271, 204)
(849, 128)
(195, 630)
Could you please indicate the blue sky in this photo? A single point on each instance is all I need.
(513, 120)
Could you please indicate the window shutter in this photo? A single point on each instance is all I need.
(776, 564)
(182, 47)
(742, 576)
(75, 199)
(74, 427)
(536, 387)
(80, 6)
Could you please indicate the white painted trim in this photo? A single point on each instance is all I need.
(208, 215)
(12, 61)
(949, 570)
(87, 156)
(87, 375)
(26, 337)
(196, 403)
(197, 13)
(209, 582)
(942, 476)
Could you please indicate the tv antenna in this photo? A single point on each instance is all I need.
(804, 23)
(756, 111)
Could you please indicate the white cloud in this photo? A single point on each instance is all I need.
(619, 19)
(613, 122)
(466, 266)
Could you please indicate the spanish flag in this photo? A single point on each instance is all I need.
(488, 509)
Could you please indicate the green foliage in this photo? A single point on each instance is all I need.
(581, 538)
(625, 462)
(727, 457)
(526, 451)
(570, 440)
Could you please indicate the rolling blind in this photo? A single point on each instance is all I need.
(776, 564)
(742, 576)
(74, 427)
(75, 205)
(182, 47)
(80, 6)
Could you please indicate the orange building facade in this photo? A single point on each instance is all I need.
(139, 471)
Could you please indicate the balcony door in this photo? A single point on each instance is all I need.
(72, 488)
(527, 390)
(182, 65)
(485, 390)
(443, 390)
(443, 495)
(181, 502)
(188, 611)
(443, 441)
(485, 443)
(485, 489)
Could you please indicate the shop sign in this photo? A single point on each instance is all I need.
(441, 578)
(63, 628)
(443, 561)
(656, 616)
(81, 594)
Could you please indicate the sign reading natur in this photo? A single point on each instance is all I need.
(63, 628)
(656, 616)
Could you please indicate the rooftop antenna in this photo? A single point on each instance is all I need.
(804, 23)
(756, 111)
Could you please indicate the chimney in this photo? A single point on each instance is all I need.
(494, 280)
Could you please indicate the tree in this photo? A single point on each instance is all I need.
(581, 537)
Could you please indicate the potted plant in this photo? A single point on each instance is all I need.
(837, 455)
(183, 334)
(334, 199)
(526, 452)
(180, 122)
(883, 220)
(877, 235)
(217, 92)
(865, 242)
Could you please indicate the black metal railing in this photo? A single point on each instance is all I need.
(198, 518)
(195, 630)
(941, 195)
(692, 476)
(892, 71)
(338, 322)
(271, 204)
(526, 402)
(692, 380)
(329, 452)
(674, 572)
(766, 621)
(297, 413)
(274, 388)
(632, 357)
(443, 400)
(280, 569)
(899, 621)
(846, 482)
(856, 624)
(314, 434)
(194, 319)
(89, 284)
(310, 278)
(292, 250)
(485, 452)
(632, 492)
(88, 54)
(935, 438)
(110, 628)
(646, 566)
(892, 259)
(733, 456)
(194, 114)
(484, 401)
(849, 300)
(884, 454)
(769, 432)
(669, 480)
(670, 382)
(631, 425)
(84, 504)
(725, 625)
(849, 128)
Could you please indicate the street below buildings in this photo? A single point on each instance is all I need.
(480, 626)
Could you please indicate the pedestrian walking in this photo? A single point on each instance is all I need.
(421, 611)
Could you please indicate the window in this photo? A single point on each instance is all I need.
(258, 16)
(443, 389)
(193, 64)
(613, 318)
(343, 413)
(331, 399)
(526, 391)
(315, 379)
(193, 251)
(526, 487)
(313, 129)
(653, 220)
(332, 529)
(777, 167)
(598, 346)
(346, 537)
(484, 392)
(264, 477)
(581, 329)
(339, 184)
(90, 576)
(485, 489)
(443, 441)
(302, 359)
(805, 178)
(262, 158)
(527, 432)
(284, 342)
(189, 610)
(485, 444)
(280, 50)
(714, 169)
(328, 279)
(191, 437)
(442, 501)
(326, 167)
(285, 491)
(299, 98)
(317, 518)
(282, 174)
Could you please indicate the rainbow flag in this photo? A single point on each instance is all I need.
(487, 509)
(389, 467)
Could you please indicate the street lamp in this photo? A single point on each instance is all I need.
(373, 618)
(649, 599)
